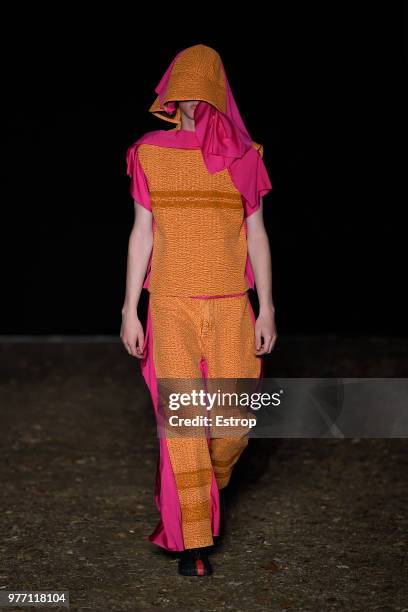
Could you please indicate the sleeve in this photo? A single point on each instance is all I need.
(139, 188)
(260, 184)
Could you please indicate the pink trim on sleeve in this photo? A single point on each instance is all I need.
(139, 188)
(258, 183)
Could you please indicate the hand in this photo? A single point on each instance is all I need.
(131, 333)
(265, 328)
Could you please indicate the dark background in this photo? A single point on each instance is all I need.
(323, 90)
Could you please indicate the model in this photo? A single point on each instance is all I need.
(198, 244)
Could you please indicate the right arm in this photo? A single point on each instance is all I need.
(139, 250)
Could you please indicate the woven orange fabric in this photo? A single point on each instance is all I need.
(186, 330)
(200, 243)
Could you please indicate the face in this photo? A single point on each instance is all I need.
(187, 107)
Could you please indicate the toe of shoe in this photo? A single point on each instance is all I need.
(198, 568)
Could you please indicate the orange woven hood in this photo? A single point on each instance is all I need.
(196, 73)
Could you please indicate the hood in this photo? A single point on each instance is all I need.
(198, 73)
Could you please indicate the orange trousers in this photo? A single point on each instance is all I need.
(187, 330)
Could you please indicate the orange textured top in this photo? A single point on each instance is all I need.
(200, 245)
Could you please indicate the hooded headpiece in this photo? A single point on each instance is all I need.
(197, 73)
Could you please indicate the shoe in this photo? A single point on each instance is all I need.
(194, 562)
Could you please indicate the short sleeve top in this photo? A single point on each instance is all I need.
(200, 243)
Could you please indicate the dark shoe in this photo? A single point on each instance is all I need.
(194, 562)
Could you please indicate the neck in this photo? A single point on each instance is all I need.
(187, 124)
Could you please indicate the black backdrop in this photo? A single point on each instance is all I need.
(323, 91)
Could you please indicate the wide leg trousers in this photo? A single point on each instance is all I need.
(194, 337)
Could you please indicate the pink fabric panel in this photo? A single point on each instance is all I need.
(258, 185)
(139, 188)
(255, 186)
(225, 146)
(168, 532)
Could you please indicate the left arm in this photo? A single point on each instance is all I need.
(261, 261)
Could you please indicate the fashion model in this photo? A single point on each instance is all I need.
(198, 244)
